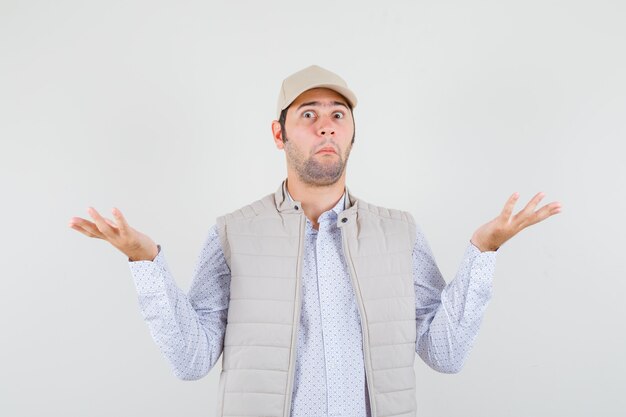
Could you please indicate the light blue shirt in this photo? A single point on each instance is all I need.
(330, 375)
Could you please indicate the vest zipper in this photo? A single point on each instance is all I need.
(364, 330)
(297, 313)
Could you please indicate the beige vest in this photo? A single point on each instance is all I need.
(263, 246)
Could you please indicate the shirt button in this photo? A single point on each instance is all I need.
(296, 207)
(344, 220)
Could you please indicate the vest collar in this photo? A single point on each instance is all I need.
(285, 205)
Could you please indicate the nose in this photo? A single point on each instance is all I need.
(326, 128)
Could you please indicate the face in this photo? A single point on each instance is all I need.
(319, 129)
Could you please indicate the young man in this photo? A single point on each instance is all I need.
(317, 300)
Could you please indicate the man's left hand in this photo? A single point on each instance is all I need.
(490, 236)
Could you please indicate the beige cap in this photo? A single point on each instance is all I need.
(311, 77)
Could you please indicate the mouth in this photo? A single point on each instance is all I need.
(326, 151)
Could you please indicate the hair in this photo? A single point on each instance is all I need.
(283, 116)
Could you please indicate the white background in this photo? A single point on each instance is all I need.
(163, 109)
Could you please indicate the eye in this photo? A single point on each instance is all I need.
(308, 112)
(340, 115)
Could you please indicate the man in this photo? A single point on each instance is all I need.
(317, 299)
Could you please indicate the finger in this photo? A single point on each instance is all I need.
(121, 221)
(82, 223)
(508, 206)
(87, 228)
(88, 233)
(532, 204)
(543, 213)
(101, 223)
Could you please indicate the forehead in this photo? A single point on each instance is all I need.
(319, 94)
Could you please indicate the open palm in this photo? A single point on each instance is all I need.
(492, 235)
(133, 243)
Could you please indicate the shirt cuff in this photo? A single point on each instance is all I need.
(149, 276)
(483, 266)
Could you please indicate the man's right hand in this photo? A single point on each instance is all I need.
(134, 244)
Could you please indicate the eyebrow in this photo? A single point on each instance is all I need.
(317, 103)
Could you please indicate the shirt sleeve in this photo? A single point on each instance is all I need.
(188, 328)
(448, 316)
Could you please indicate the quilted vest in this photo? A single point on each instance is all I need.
(263, 246)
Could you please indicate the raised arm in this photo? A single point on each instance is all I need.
(449, 316)
(189, 329)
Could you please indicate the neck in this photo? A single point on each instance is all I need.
(315, 199)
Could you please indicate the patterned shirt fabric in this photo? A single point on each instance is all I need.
(330, 375)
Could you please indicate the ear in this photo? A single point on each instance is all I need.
(277, 134)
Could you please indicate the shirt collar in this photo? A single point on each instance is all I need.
(339, 207)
